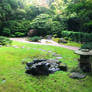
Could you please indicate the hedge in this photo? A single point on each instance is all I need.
(78, 36)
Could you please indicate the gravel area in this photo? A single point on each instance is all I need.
(45, 42)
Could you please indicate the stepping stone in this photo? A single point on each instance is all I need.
(57, 55)
(8, 46)
(77, 75)
(59, 58)
(0, 45)
(49, 51)
(22, 47)
(15, 46)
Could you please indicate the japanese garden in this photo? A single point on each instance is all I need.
(45, 45)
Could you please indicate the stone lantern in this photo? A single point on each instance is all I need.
(85, 61)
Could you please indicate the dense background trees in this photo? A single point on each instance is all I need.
(17, 17)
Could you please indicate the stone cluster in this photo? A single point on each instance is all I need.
(44, 67)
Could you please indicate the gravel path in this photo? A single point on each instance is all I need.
(45, 42)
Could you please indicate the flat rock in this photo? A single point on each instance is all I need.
(57, 55)
(77, 75)
(58, 58)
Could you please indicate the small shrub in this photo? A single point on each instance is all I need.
(87, 46)
(34, 39)
(19, 34)
(56, 39)
(66, 38)
(6, 32)
(4, 40)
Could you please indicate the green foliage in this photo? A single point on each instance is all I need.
(74, 24)
(87, 46)
(80, 16)
(16, 27)
(77, 36)
(4, 40)
(46, 26)
(56, 28)
(20, 14)
(15, 15)
(40, 23)
(19, 34)
(6, 32)
(34, 11)
(34, 39)
(56, 39)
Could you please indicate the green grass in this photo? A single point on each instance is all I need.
(13, 71)
(75, 44)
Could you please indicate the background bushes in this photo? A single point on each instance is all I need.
(87, 46)
(17, 17)
(45, 25)
(78, 36)
(16, 28)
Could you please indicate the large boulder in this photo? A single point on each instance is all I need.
(44, 67)
(32, 32)
(38, 69)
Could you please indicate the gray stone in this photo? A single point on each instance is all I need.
(0, 45)
(51, 61)
(57, 55)
(15, 46)
(58, 58)
(43, 67)
(49, 51)
(22, 47)
(77, 75)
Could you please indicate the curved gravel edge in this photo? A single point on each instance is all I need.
(45, 42)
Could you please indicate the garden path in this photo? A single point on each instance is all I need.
(45, 42)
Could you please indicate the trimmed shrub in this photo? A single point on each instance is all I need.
(77, 36)
(56, 39)
(19, 34)
(5, 40)
(59, 40)
(87, 46)
(34, 39)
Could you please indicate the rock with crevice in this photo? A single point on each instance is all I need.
(44, 67)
